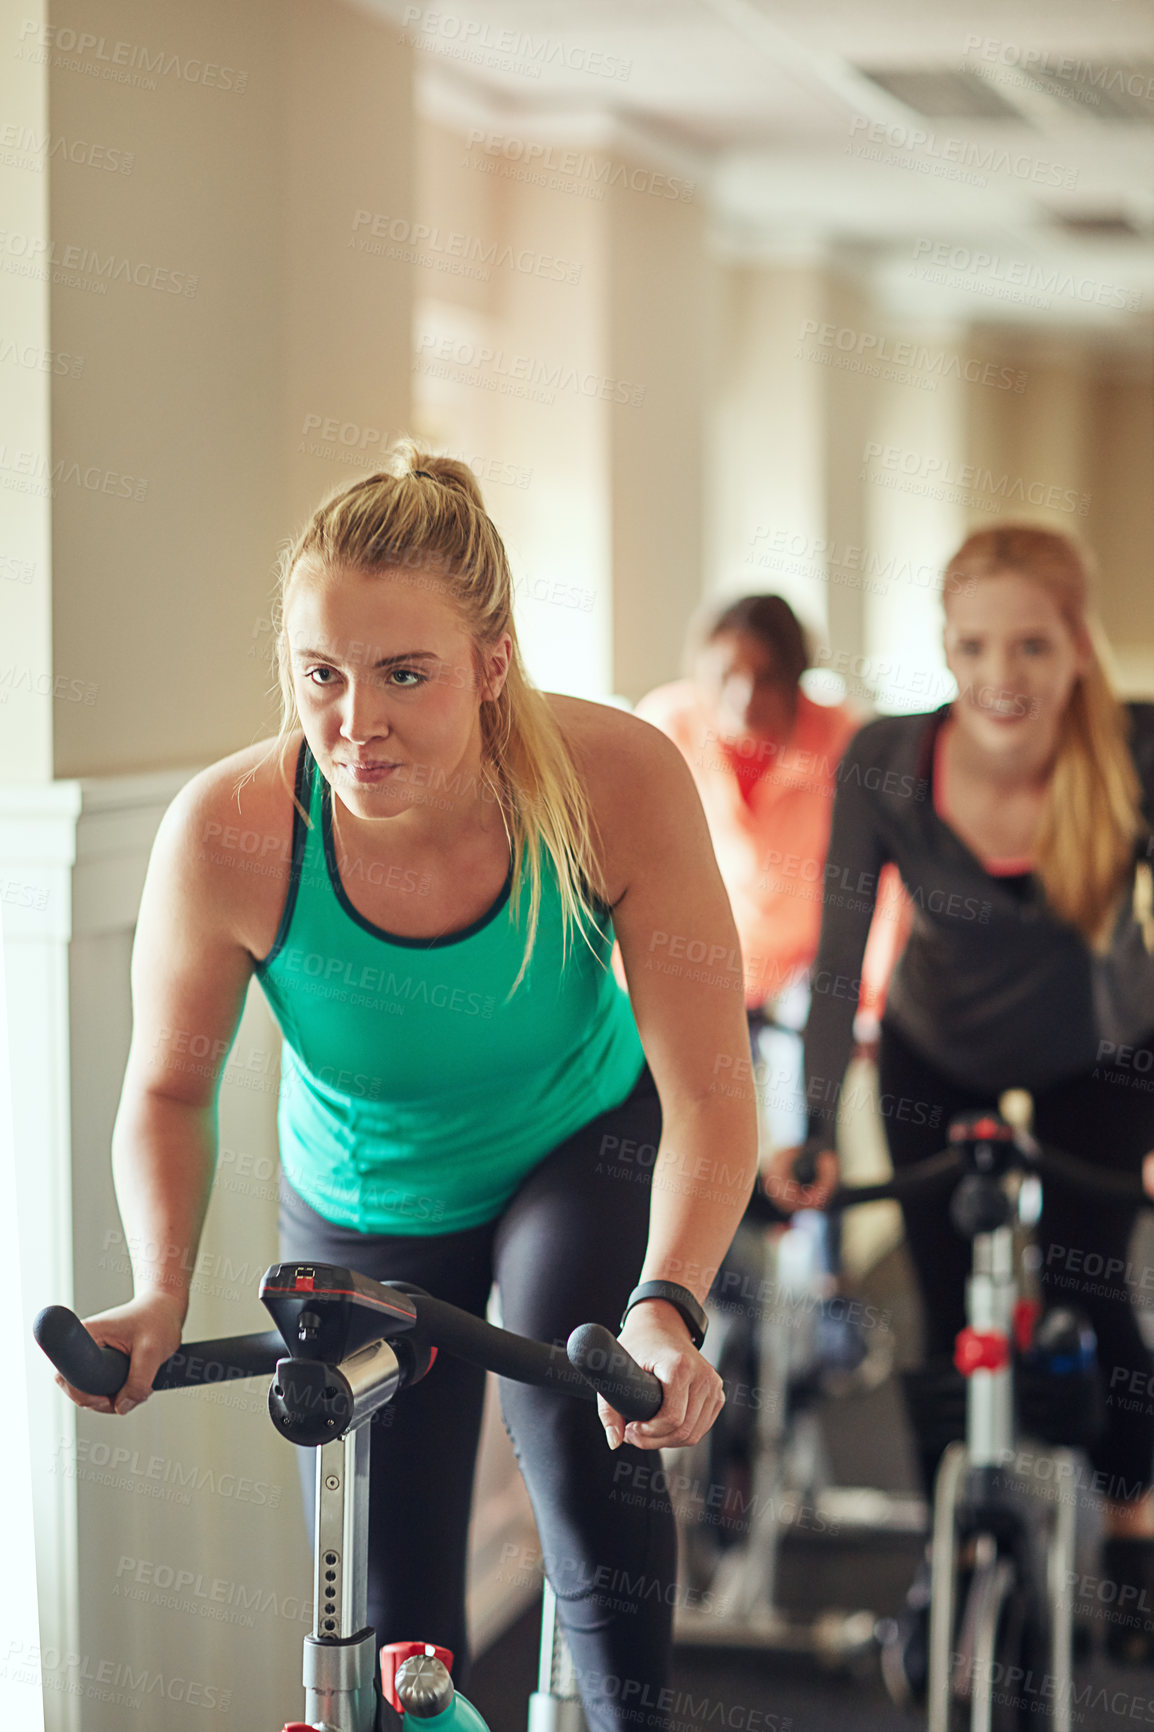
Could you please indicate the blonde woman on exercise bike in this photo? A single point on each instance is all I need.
(1019, 816)
(452, 853)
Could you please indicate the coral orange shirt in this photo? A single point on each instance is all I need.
(769, 809)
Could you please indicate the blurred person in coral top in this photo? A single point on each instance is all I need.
(765, 759)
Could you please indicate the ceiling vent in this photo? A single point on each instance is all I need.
(1052, 85)
(945, 94)
(1123, 91)
(1098, 225)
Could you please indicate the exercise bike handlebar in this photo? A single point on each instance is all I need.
(98, 1370)
(1098, 1181)
(594, 1362)
(949, 1164)
(1040, 1158)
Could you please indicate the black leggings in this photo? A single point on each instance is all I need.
(567, 1249)
(1105, 1116)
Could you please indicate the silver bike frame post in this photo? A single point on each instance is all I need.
(339, 1656)
(555, 1705)
(943, 1580)
(1060, 1571)
(990, 1294)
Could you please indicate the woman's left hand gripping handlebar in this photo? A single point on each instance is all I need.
(656, 1336)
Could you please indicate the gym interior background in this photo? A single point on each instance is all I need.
(715, 295)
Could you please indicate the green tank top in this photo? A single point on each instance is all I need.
(413, 1098)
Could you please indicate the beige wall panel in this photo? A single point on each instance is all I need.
(551, 419)
(456, 204)
(1121, 521)
(850, 408)
(348, 126)
(207, 341)
(1075, 451)
(913, 515)
(659, 298)
(768, 463)
(498, 370)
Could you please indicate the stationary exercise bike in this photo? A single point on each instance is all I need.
(783, 1341)
(1003, 1542)
(343, 1347)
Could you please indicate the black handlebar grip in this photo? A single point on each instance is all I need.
(99, 1370)
(805, 1168)
(220, 1361)
(80, 1360)
(446, 1326)
(1095, 1181)
(762, 1209)
(600, 1357)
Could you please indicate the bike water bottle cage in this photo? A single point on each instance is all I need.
(326, 1313)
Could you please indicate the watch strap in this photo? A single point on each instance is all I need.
(682, 1300)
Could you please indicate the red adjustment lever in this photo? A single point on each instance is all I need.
(393, 1657)
(1026, 1314)
(980, 1350)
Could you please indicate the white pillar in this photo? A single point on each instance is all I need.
(37, 852)
(915, 514)
(21, 1695)
(72, 858)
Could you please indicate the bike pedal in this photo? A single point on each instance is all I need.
(904, 1643)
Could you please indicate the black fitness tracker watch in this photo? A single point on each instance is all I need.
(682, 1300)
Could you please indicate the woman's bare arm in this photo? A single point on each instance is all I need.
(682, 961)
(190, 973)
(681, 954)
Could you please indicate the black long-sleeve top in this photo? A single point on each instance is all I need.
(992, 988)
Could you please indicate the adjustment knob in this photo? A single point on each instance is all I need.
(981, 1350)
(424, 1687)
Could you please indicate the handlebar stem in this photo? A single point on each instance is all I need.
(342, 1543)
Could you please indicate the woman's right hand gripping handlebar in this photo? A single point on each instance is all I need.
(148, 1329)
(803, 1177)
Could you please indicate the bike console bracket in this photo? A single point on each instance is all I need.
(326, 1313)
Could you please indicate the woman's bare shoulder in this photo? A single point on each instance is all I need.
(607, 741)
(250, 786)
(227, 838)
(635, 777)
(642, 796)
